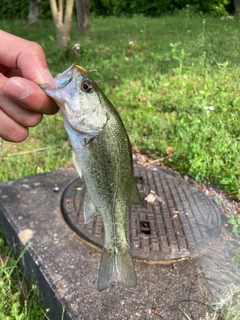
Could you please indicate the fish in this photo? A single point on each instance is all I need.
(102, 155)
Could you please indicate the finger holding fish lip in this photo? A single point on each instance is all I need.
(22, 103)
(22, 116)
(28, 95)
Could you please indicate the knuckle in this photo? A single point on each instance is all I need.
(33, 120)
(35, 47)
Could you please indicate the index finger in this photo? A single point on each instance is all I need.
(26, 56)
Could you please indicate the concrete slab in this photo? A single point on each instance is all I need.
(66, 269)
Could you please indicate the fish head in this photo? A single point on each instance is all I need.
(80, 100)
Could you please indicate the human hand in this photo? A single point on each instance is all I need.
(22, 102)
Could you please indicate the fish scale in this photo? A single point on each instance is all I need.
(102, 154)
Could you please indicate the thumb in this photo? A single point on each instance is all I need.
(33, 65)
(26, 56)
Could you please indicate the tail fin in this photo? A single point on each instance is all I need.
(116, 267)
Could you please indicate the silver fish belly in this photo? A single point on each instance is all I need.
(102, 155)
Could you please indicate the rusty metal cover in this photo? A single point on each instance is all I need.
(178, 220)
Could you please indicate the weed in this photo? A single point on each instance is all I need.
(235, 259)
(230, 304)
(234, 221)
(18, 298)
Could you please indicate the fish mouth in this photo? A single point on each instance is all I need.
(58, 88)
(51, 90)
(61, 81)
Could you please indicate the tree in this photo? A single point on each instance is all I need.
(34, 9)
(83, 10)
(62, 17)
(237, 7)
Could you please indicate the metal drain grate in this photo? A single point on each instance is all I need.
(181, 222)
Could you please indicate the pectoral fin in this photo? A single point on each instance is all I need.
(76, 163)
(90, 210)
(135, 196)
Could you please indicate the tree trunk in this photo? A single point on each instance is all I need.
(34, 9)
(237, 7)
(62, 17)
(62, 36)
(83, 10)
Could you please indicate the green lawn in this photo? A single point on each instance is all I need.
(19, 300)
(174, 81)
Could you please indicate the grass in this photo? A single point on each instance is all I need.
(19, 300)
(174, 81)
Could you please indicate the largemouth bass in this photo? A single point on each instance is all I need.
(102, 155)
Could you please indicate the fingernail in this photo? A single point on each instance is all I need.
(17, 89)
(47, 75)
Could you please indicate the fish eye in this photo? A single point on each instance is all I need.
(86, 86)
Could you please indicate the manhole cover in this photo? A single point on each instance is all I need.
(181, 222)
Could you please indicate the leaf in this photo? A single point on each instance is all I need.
(231, 221)
(169, 150)
(232, 216)
(152, 197)
(142, 99)
(217, 200)
(236, 229)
